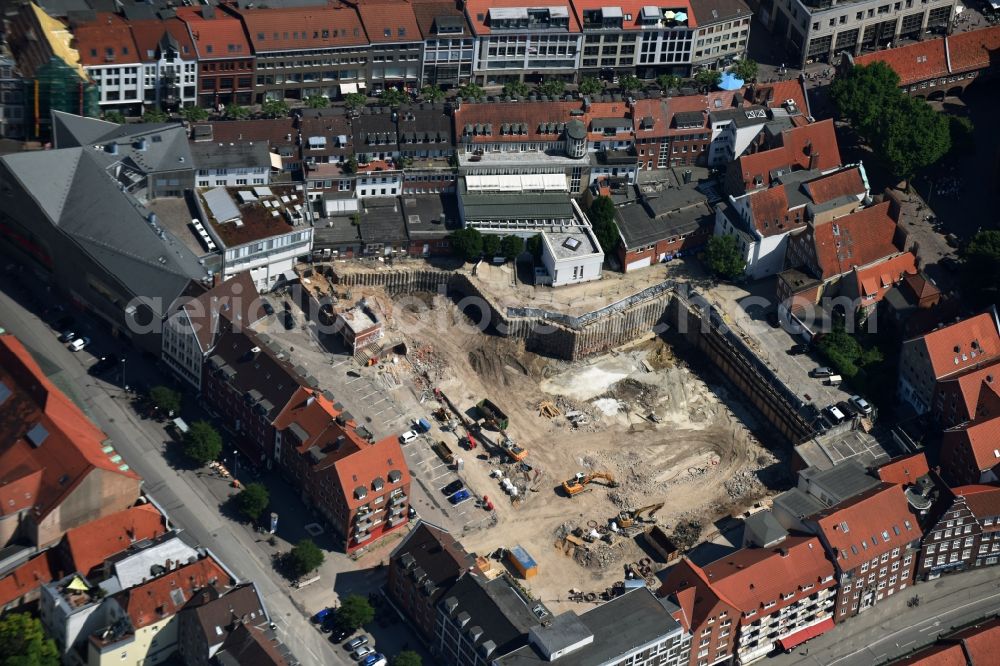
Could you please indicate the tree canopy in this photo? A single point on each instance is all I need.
(553, 88)
(317, 102)
(905, 132)
(194, 114)
(745, 69)
(23, 642)
(590, 85)
(237, 112)
(629, 83)
(724, 258)
(511, 247)
(407, 658)
(392, 96)
(534, 246)
(602, 218)
(115, 117)
(845, 353)
(354, 100)
(252, 500)
(274, 108)
(165, 399)
(431, 94)
(491, 246)
(708, 78)
(471, 91)
(154, 116)
(516, 89)
(981, 268)
(467, 243)
(305, 557)
(202, 442)
(354, 612)
(668, 81)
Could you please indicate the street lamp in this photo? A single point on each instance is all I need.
(124, 385)
(236, 463)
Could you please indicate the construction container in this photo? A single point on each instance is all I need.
(423, 425)
(523, 563)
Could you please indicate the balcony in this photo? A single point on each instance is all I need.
(398, 499)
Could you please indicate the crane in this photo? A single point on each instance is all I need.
(575, 485)
(628, 518)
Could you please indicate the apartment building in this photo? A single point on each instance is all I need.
(110, 57)
(225, 59)
(396, 44)
(966, 533)
(12, 119)
(306, 51)
(231, 164)
(519, 42)
(611, 36)
(818, 30)
(449, 44)
(721, 33)
(972, 396)
(169, 63)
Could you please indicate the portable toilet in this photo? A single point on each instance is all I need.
(523, 563)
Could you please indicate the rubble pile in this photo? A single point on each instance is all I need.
(636, 395)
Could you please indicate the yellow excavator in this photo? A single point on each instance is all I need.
(629, 518)
(576, 485)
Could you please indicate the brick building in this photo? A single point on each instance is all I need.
(966, 533)
(973, 396)
(225, 59)
(970, 452)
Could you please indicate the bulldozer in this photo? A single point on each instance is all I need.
(576, 485)
(627, 518)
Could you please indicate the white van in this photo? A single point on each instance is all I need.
(79, 344)
(833, 380)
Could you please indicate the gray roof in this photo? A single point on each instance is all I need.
(573, 243)
(530, 206)
(221, 205)
(242, 155)
(762, 529)
(621, 627)
(839, 482)
(495, 607)
(423, 215)
(798, 503)
(136, 567)
(382, 220)
(711, 11)
(72, 131)
(664, 214)
(562, 632)
(80, 197)
(150, 147)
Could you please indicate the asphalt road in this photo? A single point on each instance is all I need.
(181, 494)
(892, 629)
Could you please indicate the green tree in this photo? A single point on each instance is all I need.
(590, 85)
(252, 500)
(629, 83)
(708, 78)
(154, 116)
(553, 88)
(317, 102)
(274, 108)
(354, 101)
(491, 246)
(466, 243)
(534, 246)
(392, 97)
(516, 89)
(431, 94)
(194, 114)
(668, 81)
(745, 69)
(724, 258)
(472, 91)
(165, 399)
(981, 268)
(202, 442)
(305, 557)
(511, 247)
(115, 117)
(23, 642)
(407, 658)
(843, 351)
(237, 112)
(962, 134)
(351, 165)
(354, 612)
(862, 94)
(912, 136)
(602, 219)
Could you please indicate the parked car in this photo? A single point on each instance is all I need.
(847, 408)
(339, 634)
(79, 344)
(267, 307)
(105, 364)
(322, 615)
(822, 371)
(66, 336)
(860, 404)
(798, 349)
(459, 497)
(355, 643)
(453, 487)
(362, 652)
(373, 659)
(407, 437)
(833, 413)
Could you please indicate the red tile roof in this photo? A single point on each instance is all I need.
(26, 578)
(920, 286)
(428, 11)
(914, 62)
(964, 345)
(162, 597)
(798, 144)
(147, 34)
(936, 655)
(478, 12)
(980, 642)
(984, 501)
(105, 41)
(695, 594)
(753, 577)
(868, 525)
(69, 445)
(971, 50)
(981, 440)
(874, 282)
(631, 8)
(857, 239)
(971, 387)
(904, 469)
(90, 545)
(775, 94)
(374, 461)
(316, 417)
(770, 214)
(844, 183)
(389, 21)
(533, 115)
(220, 37)
(300, 28)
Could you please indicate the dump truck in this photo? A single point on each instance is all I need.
(493, 414)
(576, 485)
(513, 451)
(444, 452)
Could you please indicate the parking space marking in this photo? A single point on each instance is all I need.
(382, 400)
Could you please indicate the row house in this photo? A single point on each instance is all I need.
(745, 605)
(969, 397)
(519, 42)
(449, 43)
(936, 68)
(965, 535)
(307, 51)
(396, 44)
(110, 58)
(361, 488)
(946, 353)
(279, 135)
(763, 221)
(970, 452)
(225, 59)
(169, 62)
(721, 35)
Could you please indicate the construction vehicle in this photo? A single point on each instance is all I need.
(628, 518)
(493, 415)
(576, 485)
(444, 453)
(513, 451)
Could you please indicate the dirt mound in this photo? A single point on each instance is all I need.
(488, 365)
(634, 393)
(661, 357)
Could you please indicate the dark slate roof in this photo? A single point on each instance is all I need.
(236, 155)
(382, 220)
(425, 126)
(798, 503)
(841, 481)
(218, 617)
(72, 131)
(436, 553)
(762, 528)
(664, 214)
(423, 213)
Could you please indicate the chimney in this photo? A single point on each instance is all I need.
(813, 160)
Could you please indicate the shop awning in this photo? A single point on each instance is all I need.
(346, 88)
(801, 636)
